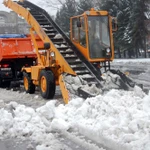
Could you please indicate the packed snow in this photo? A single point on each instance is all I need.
(117, 120)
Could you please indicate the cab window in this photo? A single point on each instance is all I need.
(75, 31)
(82, 32)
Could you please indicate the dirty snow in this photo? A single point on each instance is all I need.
(73, 83)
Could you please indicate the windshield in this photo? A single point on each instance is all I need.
(99, 37)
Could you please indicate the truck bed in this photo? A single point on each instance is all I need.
(16, 47)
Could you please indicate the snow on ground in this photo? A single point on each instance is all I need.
(132, 61)
(118, 120)
(139, 69)
(136, 64)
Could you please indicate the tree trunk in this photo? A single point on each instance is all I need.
(129, 53)
(139, 53)
(124, 53)
(145, 48)
(119, 53)
(136, 52)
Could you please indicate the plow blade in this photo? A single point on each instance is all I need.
(126, 83)
(84, 94)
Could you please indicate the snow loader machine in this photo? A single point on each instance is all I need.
(63, 61)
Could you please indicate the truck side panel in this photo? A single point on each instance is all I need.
(16, 48)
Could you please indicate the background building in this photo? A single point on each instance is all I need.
(10, 23)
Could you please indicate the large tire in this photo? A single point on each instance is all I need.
(28, 85)
(47, 84)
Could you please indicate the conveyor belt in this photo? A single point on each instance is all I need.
(84, 69)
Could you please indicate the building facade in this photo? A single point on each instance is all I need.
(11, 23)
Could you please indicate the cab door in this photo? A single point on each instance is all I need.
(79, 34)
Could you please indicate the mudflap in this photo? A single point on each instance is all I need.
(126, 81)
(84, 94)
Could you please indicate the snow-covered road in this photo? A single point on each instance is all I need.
(138, 69)
(117, 120)
(21, 123)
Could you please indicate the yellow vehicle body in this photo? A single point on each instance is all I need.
(53, 63)
(81, 30)
(44, 61)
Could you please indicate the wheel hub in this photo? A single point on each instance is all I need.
(26, 84)
(43, 84)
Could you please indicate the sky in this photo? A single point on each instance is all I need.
(51, 6)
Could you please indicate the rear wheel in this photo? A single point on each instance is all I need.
(28, 85)
(47, 84)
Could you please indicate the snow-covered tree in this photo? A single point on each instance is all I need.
(84, 5)
(137, 26)
(67, 10)
(130, 14)
(131, 32)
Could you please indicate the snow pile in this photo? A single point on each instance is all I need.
(118, 120)
(21, 121)
(111, 81)
(73, 83)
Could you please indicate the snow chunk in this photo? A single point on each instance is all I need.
(59, 125)
(138, 91)
(48, 110)
(58, 36)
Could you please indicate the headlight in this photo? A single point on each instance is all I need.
(52, 54)
(108, 50)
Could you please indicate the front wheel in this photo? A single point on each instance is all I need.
(28, 85)
(47, 84)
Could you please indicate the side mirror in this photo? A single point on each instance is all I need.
(46, 45)
(78, 24)
(114, 24)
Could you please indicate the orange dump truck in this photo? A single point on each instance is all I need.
(16, 51)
